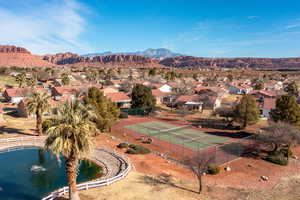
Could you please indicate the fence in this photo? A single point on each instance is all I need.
(9, 144)
(124, 170)
(138, 111)
(15, 143)
(221, 154)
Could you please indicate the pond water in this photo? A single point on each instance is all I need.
(32, 173)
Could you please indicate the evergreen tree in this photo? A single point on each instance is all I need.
(292, 89)
(65, 79)
(259, 85)
(142, 97)
(287, 110)
(152, 72)
(106, 111)
(246, 112)
(230, 77)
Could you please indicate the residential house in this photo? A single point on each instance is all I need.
(240, 89)
(273, 85)
(212, 91)
(15, 95)
(162, 87)
(192, 102)
(120, 98)
(23, 112)
(109, 89)
(71, 91)
(268, 105)
(162, 97)
(210, 102)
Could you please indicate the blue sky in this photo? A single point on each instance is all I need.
(208, 28)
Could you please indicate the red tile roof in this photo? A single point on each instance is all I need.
(117, 96)
(269, 103)
(22, 92)
(158, 93)
(67, 89)
(186, 98)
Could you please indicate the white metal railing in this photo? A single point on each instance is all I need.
(15, 143)
(96, 183)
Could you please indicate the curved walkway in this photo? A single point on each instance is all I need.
(115, 165)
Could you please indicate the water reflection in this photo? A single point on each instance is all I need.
(19, 182)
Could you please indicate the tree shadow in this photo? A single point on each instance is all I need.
(8, 109)
(5, 129)
(247, 147)
(162, 179)
(214, 123)
(236, 135)
(13, 113)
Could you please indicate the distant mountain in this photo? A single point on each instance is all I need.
(13, 56)
(151, 53)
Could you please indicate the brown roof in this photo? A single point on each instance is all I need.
(22, 92)
(117, 96)
(265, 93)
(67, 89)
(158, 93)
(186, 98)
(269, 103)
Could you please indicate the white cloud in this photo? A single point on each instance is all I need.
(252, 17)
(52, 27)
(292, 26)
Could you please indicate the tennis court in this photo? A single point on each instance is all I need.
(184, 136)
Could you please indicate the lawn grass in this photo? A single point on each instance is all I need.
(7, 80)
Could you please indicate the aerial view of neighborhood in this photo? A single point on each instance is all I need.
(149, 100)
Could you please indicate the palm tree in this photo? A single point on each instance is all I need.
(70, 136)
(38, 104)
(21, 79)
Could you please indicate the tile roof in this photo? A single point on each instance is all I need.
(269, 103)
(190, 98)
(118, 96)
(158, 93)
(68, 89)
(22, 92)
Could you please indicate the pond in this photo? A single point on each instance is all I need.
(32, 173)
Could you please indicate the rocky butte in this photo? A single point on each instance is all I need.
(109, 60)
(20, 57)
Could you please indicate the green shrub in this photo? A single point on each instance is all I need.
(122, 145)
(123, 115)
(46, 125)
(131, 151)
(213, 169)
(139, 149)
(286, 152)
(278, 158)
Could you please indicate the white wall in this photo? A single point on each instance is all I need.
(16, 99)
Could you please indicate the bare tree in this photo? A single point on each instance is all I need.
(279, 136)
(199, 165)
(226, 112)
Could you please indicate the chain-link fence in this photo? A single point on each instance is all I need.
(187, 148)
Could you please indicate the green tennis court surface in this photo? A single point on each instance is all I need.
(184, 136)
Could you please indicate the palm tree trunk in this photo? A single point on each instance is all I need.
(71, 169)
(39, 120)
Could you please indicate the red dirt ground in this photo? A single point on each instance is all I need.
(246, 172)
(169, 148)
